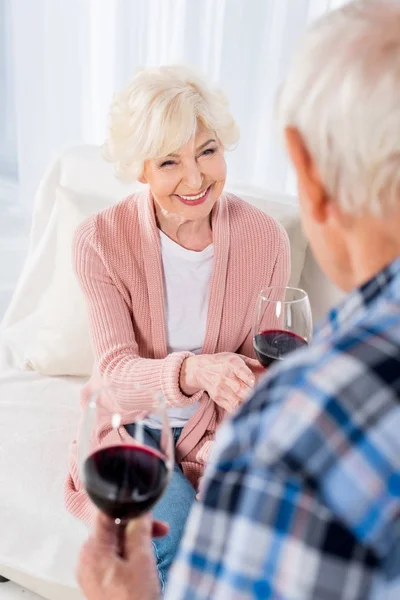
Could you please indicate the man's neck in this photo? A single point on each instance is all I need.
(371, 248)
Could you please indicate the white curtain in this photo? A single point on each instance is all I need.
(69, 58)
(7, 113)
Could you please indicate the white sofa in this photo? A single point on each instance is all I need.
(39, 411)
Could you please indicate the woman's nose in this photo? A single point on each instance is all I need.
(193, 177)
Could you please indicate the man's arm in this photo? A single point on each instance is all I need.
(262, 530)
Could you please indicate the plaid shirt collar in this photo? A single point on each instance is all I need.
(386, 283)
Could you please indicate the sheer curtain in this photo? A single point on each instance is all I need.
(69, 58)
(8, 163)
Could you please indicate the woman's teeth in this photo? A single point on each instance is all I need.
(194, 197)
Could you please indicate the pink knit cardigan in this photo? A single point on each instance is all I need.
(118, 263)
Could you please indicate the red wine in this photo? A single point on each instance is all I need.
(274, 344)
(125, 481)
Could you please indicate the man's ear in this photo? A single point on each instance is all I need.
(311, 188)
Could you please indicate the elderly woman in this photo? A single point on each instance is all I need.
(171, 275)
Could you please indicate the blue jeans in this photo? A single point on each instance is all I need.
(173, 508)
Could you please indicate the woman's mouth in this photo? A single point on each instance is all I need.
(196, 199)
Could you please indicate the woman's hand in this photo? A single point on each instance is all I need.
(257, 370)
(103, 575)
(224, 376)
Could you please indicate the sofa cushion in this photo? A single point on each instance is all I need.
(61, 343)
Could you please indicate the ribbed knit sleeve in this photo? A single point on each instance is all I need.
(113, 338)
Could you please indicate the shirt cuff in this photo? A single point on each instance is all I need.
(170, 375)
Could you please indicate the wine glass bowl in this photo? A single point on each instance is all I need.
(125, 481)
(124, 470)
(282, 323)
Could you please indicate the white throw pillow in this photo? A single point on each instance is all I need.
(61, 345)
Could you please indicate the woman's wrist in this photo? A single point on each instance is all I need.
(187, 379)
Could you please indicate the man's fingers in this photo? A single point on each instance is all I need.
(160, 529)
(105, 531)
(137, 534)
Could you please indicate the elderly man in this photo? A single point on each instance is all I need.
(301, 500)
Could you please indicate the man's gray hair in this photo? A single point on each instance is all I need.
(343, 96)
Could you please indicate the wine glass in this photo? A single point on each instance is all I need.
(282, 323)
(125, 475)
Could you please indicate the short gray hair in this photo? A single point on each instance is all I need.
(343, 96)
(158, 113)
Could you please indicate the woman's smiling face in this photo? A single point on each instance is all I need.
(189, 181)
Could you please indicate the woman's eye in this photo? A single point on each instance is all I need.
(167, 163)
(209, 151)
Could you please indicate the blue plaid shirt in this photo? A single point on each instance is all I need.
(301, 498)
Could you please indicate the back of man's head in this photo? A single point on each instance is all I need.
(343, 96)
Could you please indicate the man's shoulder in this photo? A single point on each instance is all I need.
(333, 385)
(328, 419)
(333, 360)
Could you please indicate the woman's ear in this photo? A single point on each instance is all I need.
(143, 178)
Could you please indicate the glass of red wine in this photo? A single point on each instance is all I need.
(282, 323)
(125, 475)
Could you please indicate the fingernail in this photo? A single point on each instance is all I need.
(135, 524)
(131, 527)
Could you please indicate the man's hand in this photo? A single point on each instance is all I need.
(103, 575)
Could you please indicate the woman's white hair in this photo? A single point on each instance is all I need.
(343, 96)
(158, 113)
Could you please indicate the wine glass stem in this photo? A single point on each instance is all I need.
(121, 538)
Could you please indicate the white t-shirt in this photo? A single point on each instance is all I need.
(187, 277)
